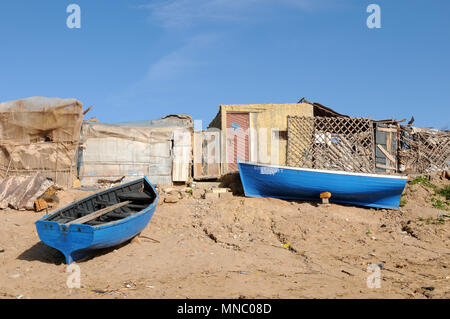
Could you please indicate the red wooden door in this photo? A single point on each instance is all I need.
(238, 139)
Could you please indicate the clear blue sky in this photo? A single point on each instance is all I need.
(142, 59)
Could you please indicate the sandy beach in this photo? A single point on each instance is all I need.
(244, 248)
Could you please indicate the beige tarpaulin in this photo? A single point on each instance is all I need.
(40, 134)
(20, 192)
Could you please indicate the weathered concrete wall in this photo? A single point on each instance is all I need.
(275, 118)
(265, 120)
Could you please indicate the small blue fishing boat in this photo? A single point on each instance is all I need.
(372, 190)
(101, 220)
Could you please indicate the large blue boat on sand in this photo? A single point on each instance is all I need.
(371, 190)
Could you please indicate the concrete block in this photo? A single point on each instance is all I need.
(220, 190)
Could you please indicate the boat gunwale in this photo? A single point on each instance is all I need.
(324, 170)
(110, 224)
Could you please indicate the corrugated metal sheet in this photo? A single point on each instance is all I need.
(110, 151)
(207, 154)
(173, 120)
(181, 155)
(238, 139)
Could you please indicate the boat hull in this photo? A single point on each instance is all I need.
(78, 240)
(369, 190)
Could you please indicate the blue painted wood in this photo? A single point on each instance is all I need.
(77, 240)
(370, 190)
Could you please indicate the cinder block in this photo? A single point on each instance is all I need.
(220, 190)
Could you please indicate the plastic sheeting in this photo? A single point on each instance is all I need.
(40, 134)
(20, 192)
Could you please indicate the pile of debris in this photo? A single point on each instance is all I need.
(110, 183)
(204, 190)
(424, 150)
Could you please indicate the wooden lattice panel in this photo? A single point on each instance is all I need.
(424, 151)
(335, 143)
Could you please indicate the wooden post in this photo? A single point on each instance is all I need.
(389, 148)
(198, 151)
(7, 171)
(56, 163)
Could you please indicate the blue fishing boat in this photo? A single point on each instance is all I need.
(101, 220)
(372, 190)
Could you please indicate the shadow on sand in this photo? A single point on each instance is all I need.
(46, 254)
(43, 253)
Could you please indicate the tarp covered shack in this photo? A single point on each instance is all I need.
(40, 134)
(159, 149)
